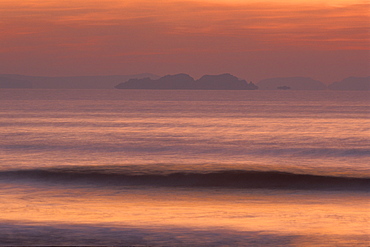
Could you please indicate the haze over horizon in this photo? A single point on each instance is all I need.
(252, 40)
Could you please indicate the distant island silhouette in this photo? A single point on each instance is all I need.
(352, 83)
(293, 83)
(186, 82)
(66, 82)
(6, 82)
(283, 88)
(177, 82)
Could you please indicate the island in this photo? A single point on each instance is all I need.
(186, 82)
(352, 84)
(294, 83)
(66, 82)
(283, 88)
(6, 82)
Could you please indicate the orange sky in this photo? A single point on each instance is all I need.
(252, 39)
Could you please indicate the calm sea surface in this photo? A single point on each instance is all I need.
(184, 168)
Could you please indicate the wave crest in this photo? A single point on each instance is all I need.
(221, 179)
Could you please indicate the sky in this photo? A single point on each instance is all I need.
(251, 39)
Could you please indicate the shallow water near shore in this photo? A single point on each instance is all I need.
(200, 168)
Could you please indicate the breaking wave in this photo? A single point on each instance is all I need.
(220, 179)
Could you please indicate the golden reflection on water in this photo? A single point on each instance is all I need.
(278, 212)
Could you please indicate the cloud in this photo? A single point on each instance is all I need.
(153, 36)
(225, 26)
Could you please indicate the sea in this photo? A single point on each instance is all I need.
(184, 168)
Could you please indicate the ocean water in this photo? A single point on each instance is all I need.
(184, 168)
